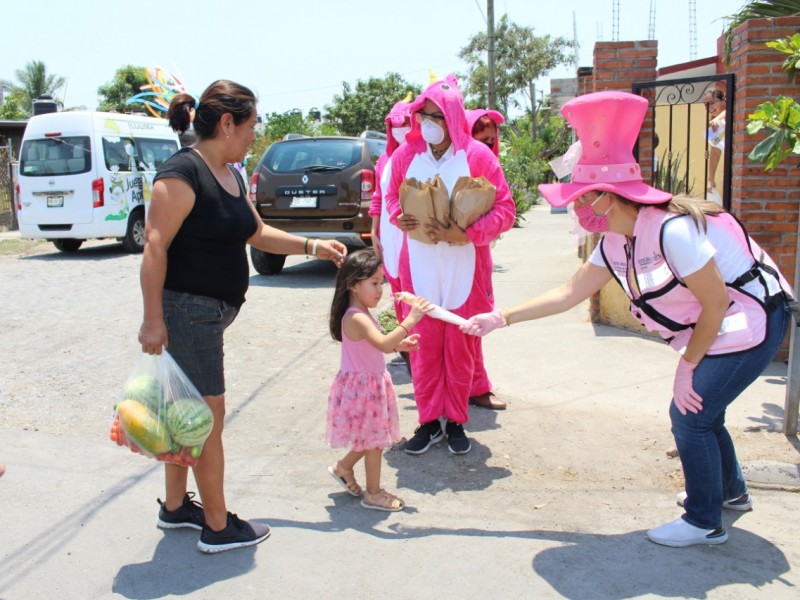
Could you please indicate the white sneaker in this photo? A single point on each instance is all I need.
(740, 504)
(679, 534)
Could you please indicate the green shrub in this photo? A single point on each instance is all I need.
(387, 319)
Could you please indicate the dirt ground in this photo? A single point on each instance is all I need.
(582, 456)
(72, 322)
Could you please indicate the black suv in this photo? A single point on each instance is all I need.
(317, 187)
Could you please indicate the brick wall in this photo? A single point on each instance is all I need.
(767, 202)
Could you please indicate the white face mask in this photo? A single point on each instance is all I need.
(432, 133)
(400, 133)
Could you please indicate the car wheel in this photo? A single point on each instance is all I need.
(67, 244)
(134, 237)
(267, 263)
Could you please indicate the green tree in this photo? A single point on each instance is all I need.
(127, 82)
(11, 110)
(366, 106)
(33, 81)
(525, 159)
(757, 10)
(521, 57)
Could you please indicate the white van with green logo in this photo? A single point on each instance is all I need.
(86, 175)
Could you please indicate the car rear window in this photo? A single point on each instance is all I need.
(136, 154)
(376, 148)
(296, 156)
(55, 156)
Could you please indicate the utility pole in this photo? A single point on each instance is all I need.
(490, 36)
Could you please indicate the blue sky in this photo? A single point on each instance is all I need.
(296, 54)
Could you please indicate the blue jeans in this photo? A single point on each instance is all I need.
(710, 466)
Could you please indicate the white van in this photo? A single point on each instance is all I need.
(88, 175)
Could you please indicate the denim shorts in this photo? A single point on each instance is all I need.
(195, 326)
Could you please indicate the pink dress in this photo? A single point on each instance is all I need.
(362, 409)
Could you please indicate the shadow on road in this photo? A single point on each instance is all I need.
(304, 275)
(99, 252)
(617, 566)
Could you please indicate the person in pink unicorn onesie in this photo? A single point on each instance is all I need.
(455, 270)
(484, 124)
(387, 239)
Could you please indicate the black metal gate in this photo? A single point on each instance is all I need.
(680, 115)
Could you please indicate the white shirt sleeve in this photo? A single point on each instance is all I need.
(686, 247)
(596, 258)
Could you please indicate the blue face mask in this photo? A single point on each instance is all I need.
(590, 221)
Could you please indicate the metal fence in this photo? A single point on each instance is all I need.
(682, 120)
(8, 217)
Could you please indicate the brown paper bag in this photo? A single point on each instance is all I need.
(471, 199)
(440, 199)
(415, 200)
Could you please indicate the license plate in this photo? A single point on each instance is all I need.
(55, 201)
(304, 202)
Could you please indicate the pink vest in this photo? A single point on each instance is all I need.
(663, 303)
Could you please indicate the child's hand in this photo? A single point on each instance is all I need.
(419, 307)
(409, 343)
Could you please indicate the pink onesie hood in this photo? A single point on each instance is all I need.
(474, 115)
(399, 113)
(446, 95)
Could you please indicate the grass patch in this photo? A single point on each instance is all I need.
(20, 246)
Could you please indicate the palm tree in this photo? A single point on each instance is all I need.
(758, 9)
(34, 82)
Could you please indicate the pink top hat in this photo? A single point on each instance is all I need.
(607, 125)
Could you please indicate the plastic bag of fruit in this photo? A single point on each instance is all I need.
(160, 413)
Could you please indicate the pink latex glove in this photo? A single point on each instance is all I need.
(484, 323)
(683, 394)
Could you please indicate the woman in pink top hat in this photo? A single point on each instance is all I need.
(454, 271)
(694, 276)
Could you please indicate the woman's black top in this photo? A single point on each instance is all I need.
(208, 255)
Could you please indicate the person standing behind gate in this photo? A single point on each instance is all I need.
(714, 100)
(694, 276)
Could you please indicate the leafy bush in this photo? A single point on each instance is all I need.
(782, 120)
(525, 160)
(387, 319)
(671, 175)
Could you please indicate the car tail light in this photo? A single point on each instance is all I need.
(19, 202)
(367, 184)
(97, 193)
(253, 187)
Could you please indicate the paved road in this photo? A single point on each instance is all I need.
(552, 502)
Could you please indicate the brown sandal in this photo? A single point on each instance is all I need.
(346, 479)
(382, 500)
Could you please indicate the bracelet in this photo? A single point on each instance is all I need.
(305, 247)
(506, 317)
(404, 328)
(314, 248)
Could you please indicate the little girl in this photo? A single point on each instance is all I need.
(362, 411)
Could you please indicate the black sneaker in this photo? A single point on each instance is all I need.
(237, 534)
(189, 514)
(424, 437)
(457, 440)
